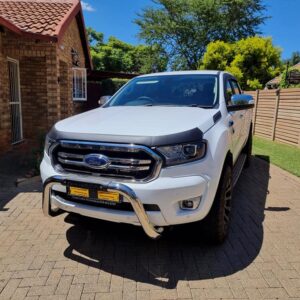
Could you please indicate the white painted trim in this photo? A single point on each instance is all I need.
(15, 61)
(85, 76)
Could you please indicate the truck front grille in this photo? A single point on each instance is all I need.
(130, 162)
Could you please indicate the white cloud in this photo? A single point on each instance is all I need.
(87, 7)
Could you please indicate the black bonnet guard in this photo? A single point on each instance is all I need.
(187, 136)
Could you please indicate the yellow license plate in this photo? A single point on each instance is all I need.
(109, 196)
(79, 192)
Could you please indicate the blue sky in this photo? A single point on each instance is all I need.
(115, 17)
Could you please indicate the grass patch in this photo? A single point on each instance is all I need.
(284, 156)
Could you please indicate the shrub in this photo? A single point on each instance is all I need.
(284, 79)
(253, 61)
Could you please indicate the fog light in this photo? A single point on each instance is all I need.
(190, 204)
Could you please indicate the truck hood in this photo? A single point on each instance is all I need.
(126, 123)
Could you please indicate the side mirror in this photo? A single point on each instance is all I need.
(103, 100)
(240, 102)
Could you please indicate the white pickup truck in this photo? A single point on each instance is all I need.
(166, 149)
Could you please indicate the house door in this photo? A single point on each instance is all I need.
(15, 101)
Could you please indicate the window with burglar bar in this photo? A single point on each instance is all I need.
(79, 84)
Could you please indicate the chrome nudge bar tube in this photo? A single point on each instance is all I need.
(122, 189)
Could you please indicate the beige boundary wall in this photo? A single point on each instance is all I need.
(276, 115)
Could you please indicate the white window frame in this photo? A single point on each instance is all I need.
(84, 81)
(12, 60)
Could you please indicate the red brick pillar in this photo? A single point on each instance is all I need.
(53, 95)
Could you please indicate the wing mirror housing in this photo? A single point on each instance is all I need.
(240, 102)
(104, 99)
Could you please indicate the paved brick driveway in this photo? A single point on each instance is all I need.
(73, 257)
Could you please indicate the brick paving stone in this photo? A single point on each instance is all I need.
(109, 296)
(89, 296)
(218, 293)
(46, 290)
(25, 274)
(129, 295)
(95, 288)
(53, 297)
(64, 284)
(33, 281)
(129, 286)
(10, 288)
(116, 283)
(143, 295)
(20, 293)
(85, 279)
(75, 291)
(198, 294)
(71, 257)
(239, 293)
(183, 290)
(273, 293)
(46, 269)
(163, 294)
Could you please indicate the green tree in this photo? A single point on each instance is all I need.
(149, 59)
(118, 56)
(185, 27)
(254, 61)
(295, 59)
(95, 38)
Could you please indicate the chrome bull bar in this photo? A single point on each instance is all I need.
(152, 231)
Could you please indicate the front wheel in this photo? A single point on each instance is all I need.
(217, 222)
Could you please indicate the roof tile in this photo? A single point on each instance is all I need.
(37, 16)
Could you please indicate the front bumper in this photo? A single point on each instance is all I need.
(167, 191)
(125, 191)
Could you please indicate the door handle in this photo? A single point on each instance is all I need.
(231, 123)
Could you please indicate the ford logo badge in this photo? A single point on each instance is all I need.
(96, 161)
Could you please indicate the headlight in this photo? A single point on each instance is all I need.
(182, 153)
(49, 143)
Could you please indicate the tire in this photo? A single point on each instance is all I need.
(248, 149)
(55, 213)
(217, 222)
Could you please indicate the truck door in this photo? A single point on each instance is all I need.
(244, 115)
(235, 121)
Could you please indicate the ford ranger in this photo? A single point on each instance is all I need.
(166, 149)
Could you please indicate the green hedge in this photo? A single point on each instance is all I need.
(110, 86)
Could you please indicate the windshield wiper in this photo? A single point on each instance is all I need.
(200, 106)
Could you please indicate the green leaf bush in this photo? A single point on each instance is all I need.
(253, 61)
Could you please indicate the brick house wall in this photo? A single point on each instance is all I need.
(4, 104)
(71, 41)
(45, 82)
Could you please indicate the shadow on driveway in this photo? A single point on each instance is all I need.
(14, 165)
(124, 250)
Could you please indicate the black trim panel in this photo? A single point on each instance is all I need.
(239, 107)
(188, 136)
(217, 116)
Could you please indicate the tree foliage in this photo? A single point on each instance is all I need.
(118, 56)
(185, 27)
(254, 61)
(284, 80)
(295, 59)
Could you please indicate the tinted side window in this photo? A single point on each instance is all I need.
(235, 87)
(228, 92)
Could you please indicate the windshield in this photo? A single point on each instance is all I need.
(169, 90)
